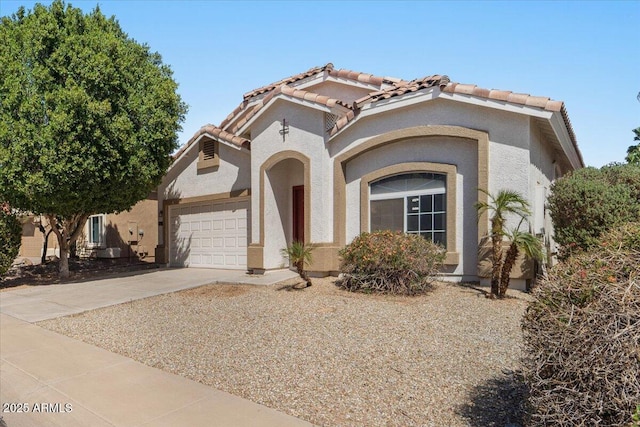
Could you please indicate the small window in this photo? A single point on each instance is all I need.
(208, 156)
(96, 231)
(414, 203)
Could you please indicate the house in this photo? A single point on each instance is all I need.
(130, 235)
(326, 154)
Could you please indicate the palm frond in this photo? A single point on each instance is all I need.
(529, 244)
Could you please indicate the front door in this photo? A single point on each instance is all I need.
(298, 213)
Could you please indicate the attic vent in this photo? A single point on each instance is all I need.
(208, 156)
(208, 150)
(330, 121)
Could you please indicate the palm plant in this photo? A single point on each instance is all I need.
(521, 241)
(299, 255)
(502, 204)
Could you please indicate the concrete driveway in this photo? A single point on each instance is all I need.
(53, 380)
(36, 303)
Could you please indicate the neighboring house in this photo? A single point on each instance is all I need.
(326, 154)
(131, 235)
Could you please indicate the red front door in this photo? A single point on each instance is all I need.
(298, 213)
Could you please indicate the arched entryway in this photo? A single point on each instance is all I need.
(285, 205)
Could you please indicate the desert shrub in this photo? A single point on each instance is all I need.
(625, 174)
(582, 337)
(590, 201)
(390, 262)
(300, 255)
(10, 236)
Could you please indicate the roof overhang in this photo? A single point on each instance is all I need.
(555, 119)
(559, 127)
(194, 142)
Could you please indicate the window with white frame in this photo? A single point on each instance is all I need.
(414, 203)
(95, 236)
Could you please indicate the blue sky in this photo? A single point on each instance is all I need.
(586, 54)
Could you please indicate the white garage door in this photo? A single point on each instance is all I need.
(209, 234)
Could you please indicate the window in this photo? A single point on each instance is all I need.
(414, 203)
(96, 230)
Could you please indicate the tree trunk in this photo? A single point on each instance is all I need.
(496, 239)
(45, 246)
(70, 231)
(63, 266)
(509, 262)
(63, 262)
(302, 273)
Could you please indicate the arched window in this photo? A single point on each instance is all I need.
(413, 203)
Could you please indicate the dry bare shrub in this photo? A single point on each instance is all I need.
(582, 337)
(391, 263)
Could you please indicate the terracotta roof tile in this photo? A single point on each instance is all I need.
(519, 98)
(310, 72)
(388, 87)
(311, 97)
(555, 105)
(499, 95)
(242, 114)
(361, 77)
(402, 87)
(506, 96)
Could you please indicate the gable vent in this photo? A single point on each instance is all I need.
(330, 121)
(208, 150)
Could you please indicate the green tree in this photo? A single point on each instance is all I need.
(589, 201)
(88, 117)
(10, 236)
(633, 152)
(506, 202)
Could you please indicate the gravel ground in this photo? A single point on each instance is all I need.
(327, 356)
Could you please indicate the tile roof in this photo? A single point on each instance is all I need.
(243, 112)
(383, 88)
(518, 98)
(397, 88)
(292, 79)
(506, 96)
(403, 87)
(283, 89)
(342, 74)
(215, 132)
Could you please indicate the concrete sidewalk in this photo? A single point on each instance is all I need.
(36, 303)
(58, 381)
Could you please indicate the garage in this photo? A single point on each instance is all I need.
(210, 234)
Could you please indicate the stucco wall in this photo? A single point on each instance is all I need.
(542, 173)
(32, 241)
(134, 231)
(453, 151)
(306, 136)
(518, 159)
(508, 136)
(184, 180)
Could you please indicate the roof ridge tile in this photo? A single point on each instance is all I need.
(291, 79)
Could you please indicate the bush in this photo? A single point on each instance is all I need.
(390, 262)
(590, 201)
(582, 337)
(10, 237)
